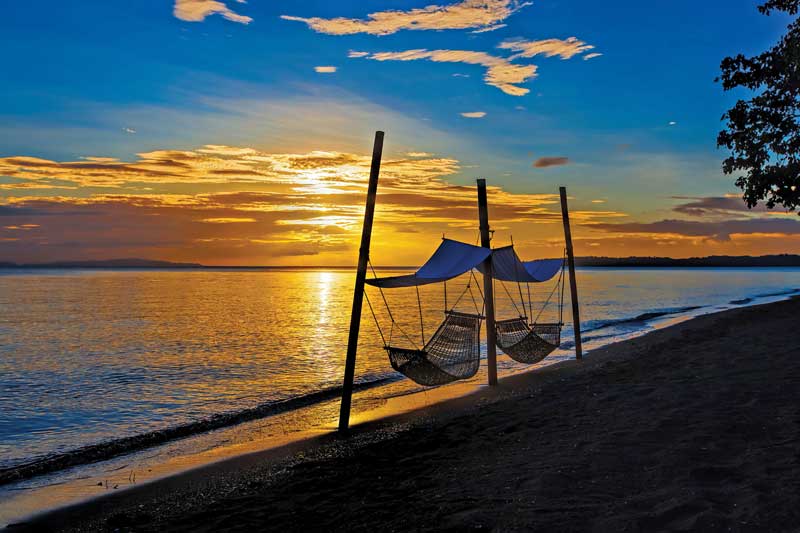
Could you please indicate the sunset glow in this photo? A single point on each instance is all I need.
(263, 159)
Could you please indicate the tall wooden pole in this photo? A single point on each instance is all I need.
(361, 276)
(573, 284)
(488, 289)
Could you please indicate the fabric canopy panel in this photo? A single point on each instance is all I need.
(506, 266)
(450, 260)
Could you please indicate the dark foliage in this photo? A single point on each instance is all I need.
(763, 133)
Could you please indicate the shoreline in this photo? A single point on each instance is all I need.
(244, 474)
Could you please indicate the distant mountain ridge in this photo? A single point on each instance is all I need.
(107, 263)
(783, 260)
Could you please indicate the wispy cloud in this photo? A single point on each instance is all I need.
(230, 220)
(198, 10)
(546, 162)
(474, 114)
(587, 57)
(325, 69)
(500, 72)
(565, 49)
(490, 28)
(720, 231)
(484, 15)
(255, 206)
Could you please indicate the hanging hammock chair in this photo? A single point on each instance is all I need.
(454, 351)
(531, 343)
(527, 344)
(451, 354)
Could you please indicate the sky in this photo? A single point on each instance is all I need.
(240, 133)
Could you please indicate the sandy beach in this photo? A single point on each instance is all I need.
(692, 427)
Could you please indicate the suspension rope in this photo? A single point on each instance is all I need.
(530, 302)
(522, 314)
(519, 285)
(547, 302)
(386, 303)
(463, 293)
(375, 318)
(445, 296)
(421, 325)
(483, 298)
(389, 311)
(475, 303)
(563, 283)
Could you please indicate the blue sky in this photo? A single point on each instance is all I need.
(635, 125)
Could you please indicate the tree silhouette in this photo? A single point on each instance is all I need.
(763, 133)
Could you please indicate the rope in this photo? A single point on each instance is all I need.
(519, 285)
(483, 298)
(389, 312)
(375, 318)
(512, 300)
(561, 302)
(547, 302)
(445, 295)
(467, 288)
(421, 325)
(375, 274)
(471, 295)
(530, 302)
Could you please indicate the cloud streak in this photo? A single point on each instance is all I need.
(500, 72)
(565, 49)
(485, 15)
(222, 204)
(720, 231)
(198, 10)
(546, 162)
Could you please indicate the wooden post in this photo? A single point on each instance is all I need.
(573, 284)
(361, 276)
(488, 289)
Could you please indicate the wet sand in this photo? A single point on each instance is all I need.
(693, 427)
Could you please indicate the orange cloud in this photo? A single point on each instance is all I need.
(546, 162)
(198, 10)
(565, 49)
(500, 72)
(223, 204)
(482, 14)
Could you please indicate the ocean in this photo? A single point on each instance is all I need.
(110, 358)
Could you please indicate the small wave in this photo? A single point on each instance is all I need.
(644, 317)
(112, 448)
(743, 301)
(781, 293)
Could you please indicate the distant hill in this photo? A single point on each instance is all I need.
(592, 261)
(109, 263)
(712, 261)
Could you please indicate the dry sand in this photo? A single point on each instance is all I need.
(693, 427)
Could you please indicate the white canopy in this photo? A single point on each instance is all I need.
(450, 260)
(454, 258)
(507, 266)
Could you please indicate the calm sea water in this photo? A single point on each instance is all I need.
(90, 356)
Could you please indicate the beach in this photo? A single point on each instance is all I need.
(693, 426)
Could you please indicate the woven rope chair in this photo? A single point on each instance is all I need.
(451, 354)
(527, 344)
